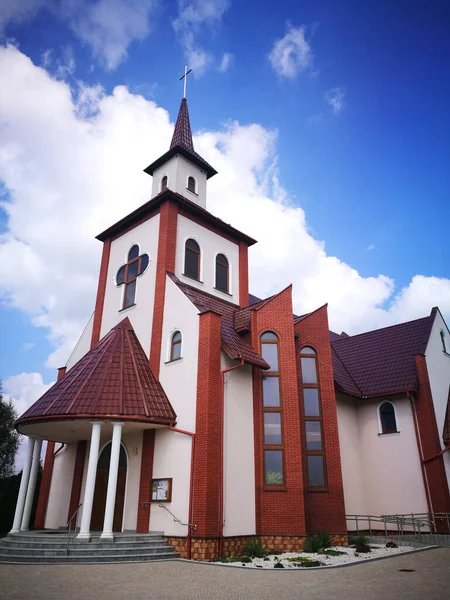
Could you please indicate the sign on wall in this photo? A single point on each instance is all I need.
(162, 490)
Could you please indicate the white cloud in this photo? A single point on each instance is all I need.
(28, 346)
(193, 17)
(370, 247)
(73, 164)
(336, 99)
(24, 390)
(108, 27)
(292, 54)
(226, 62)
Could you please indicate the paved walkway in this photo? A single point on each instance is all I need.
(378, 580)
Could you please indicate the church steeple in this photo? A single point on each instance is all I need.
(182, 135)
(181, 169)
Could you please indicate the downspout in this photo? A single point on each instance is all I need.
(420, 448)
(222, 428)
(63, 445)
(191, 488)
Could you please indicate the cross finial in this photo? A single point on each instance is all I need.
(186, 73)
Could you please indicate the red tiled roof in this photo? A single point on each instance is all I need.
(113, 379)
(232, 343)
(381, 361)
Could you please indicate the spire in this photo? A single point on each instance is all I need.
(182, 136)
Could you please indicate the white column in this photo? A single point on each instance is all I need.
(25, 526)
(23, 487)
(112, 482)
(90, 482)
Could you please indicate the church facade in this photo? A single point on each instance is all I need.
(191, 407)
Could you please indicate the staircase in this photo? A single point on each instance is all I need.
(50, 547)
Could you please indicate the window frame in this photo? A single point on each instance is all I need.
(173, 343)
(318, 419)
(199, 258)
(380, 420)
(273, 409)
(162, 186)
(194, 191)
(126, 282)
(227, 291)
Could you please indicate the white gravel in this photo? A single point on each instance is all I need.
(350, 556)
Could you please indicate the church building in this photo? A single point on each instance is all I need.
(192, 407)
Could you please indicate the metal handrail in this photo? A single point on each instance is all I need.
(69, 525)
(175, 518)
(415, 520)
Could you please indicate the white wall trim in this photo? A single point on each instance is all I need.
(380, 426)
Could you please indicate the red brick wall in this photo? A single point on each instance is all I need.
(148, 448)
(430, 438)
(44, 490)
(279, 512)
(325, 511)
(243, 274)
(207, 428)
(77, 478)
(165, 262)
(98, 312)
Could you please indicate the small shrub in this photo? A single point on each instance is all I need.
(325, 539)
(333, 552)
(254, 549)
(361, 540)
(304, 561)
(234, 559)
(363, 549)
(312, 544)
(391, 545)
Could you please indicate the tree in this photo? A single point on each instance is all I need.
(9, 438)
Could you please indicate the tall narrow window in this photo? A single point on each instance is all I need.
(191, 184)
(127, 275)
(164, 183)
(272, 412)
(387, 418)
(175, 346)
(222, 273)
(313, 432)
(192, 260)
(443, 341)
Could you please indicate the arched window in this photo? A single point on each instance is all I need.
(272, 412)
(313, 432)
(222, 271)
(443, 341)
(127, 275)
(175, 346)
(192, 260)
(164, 183)
(191, 184)
(388, 421)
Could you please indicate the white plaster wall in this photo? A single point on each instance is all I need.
(60, 487)
(390, 464)
(141, 314)
(210, 244)
(239, 458)
(83, 345)
(172, 457)
(438, 365)
(350, 447)
(178, 169)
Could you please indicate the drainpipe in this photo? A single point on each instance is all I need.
(191, 488)
(222, 427)
(420, 448)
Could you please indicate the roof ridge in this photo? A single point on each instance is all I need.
(181, 284)
(346, 370)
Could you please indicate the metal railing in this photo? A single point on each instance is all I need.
(415, 523)
(69, 525)
(176, 520)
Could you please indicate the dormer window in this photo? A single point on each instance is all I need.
(191, 185)
(192, 260)
(222, 270)
(164, 183)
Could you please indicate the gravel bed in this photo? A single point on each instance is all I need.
(350, 556)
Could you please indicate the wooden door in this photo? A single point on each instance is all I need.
(101, 487)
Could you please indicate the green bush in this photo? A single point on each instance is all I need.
(254, 549)
(315, 543)
(304, 561)
(361, 540)
(235, 559)
(333, 552)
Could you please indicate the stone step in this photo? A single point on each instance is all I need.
(33, 536)
(52, 545)
(80, 559)
(88, 551)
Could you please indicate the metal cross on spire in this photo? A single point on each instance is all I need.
(186, 73)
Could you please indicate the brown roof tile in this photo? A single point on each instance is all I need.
(113, 379)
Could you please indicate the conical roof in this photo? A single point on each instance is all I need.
(182, 144)
(112, 380)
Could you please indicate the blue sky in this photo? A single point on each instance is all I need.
(360, 109)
